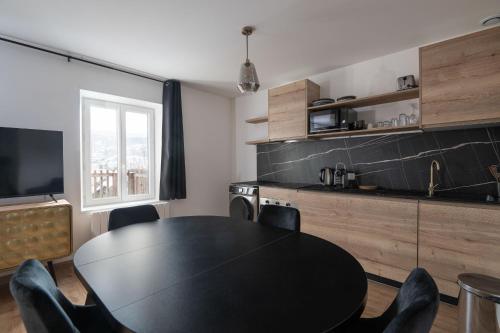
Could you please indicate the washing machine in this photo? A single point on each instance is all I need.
(244, 201)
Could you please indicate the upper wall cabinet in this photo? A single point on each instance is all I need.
(460, 80)
(287, 109)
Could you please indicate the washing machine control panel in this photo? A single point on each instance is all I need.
(243, 190)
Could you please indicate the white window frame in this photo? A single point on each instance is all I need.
(122, 105)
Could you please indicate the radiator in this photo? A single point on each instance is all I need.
(99, 219)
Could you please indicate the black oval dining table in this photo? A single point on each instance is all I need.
(217, 274)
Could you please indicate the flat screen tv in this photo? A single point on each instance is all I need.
(31, 162)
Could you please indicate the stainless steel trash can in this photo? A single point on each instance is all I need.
(478, 304)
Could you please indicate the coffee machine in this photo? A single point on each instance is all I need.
(342, 178)
(339, 175)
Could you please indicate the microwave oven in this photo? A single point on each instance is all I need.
(337, 119)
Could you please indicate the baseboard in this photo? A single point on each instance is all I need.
(396, 284)
(383, 280)
(448, 299)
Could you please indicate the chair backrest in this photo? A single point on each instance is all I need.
(122, 217)
(43, 307)
(280, 216)
(415, 307)
(240, 208)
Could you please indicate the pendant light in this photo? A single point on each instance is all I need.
(248, 81)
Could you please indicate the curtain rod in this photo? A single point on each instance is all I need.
(69, 57)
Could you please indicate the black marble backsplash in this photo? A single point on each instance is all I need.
(395, 162)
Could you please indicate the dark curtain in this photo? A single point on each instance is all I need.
(173, 171)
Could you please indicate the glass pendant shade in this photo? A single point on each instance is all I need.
(248, 81)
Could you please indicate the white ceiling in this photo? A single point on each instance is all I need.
(200, 42)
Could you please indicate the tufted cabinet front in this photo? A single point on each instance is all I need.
(41, 231)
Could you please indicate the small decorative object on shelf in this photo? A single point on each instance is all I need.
(406, 82)
(346, 98)
(322, 101)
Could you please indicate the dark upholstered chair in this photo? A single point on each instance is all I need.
(45, 309)
(122, 217)
(280, 216)
(413, 310)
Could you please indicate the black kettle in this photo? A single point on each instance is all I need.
(326, 176)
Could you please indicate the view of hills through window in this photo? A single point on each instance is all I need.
(106, 149)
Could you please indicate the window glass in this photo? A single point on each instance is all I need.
(137, 156)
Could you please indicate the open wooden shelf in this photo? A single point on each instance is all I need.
(257, 120)
(355, 133)
(373, 131)
(257, 141)
(396, 96)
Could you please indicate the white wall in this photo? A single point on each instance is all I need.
(367, 78)
(248, 107)
(208, 121)
(38, 90)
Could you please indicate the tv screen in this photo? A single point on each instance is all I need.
(31, 162)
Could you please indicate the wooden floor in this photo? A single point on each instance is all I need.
(379, 297)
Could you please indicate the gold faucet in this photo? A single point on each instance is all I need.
(434, 163)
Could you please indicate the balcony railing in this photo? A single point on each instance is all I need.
(104, 183)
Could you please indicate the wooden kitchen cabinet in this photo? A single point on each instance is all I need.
(460, 80)
(391, 236)
(458, 238)
(380, 233)
(287, 110)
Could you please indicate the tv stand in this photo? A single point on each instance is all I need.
(41, 231)
(52, 197)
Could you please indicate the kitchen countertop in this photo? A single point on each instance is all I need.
(291, 186)
(414, 195)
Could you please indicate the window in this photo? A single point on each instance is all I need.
(118, 150)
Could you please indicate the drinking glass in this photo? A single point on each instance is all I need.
(403, 119)
(413, 119)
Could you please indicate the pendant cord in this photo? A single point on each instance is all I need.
(247, 47)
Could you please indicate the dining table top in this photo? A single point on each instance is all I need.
(219, 274)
